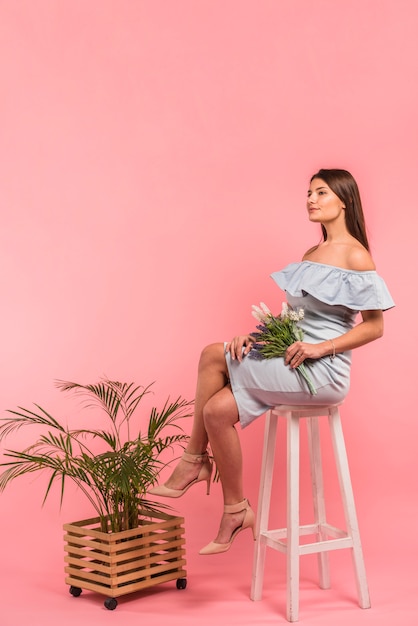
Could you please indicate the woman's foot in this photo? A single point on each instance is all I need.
(229, 523)
(192, 469)
(236, 518)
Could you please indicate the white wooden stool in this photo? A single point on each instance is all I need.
(326, 536)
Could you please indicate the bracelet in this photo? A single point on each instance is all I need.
(332, 356)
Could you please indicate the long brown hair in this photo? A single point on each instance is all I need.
(345, 187)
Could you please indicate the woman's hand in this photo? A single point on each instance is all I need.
(369, 329)
(299, 351)
(239, 346)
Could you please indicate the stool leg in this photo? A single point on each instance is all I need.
(292, 552)
(318, 497)
(349, 506)
(263, 509)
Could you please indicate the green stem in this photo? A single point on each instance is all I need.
(303, 372)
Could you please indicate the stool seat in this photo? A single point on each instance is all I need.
(326, 536)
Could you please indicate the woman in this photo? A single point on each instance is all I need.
(335, 280)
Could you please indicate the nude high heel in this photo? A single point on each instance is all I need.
(248, 522)
(205, 473)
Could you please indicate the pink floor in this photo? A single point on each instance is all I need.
(34, 592)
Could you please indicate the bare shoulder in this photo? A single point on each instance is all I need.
(308, 253)
(360, 259)
(348, 254)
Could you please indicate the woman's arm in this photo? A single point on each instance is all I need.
(369, 329)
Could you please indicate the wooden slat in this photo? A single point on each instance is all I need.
(106, 554)
(151, 561)
(117, 592)
(112, 579)
(86, 566)
(137, 563)
(157, 538)
(145, 520)
(74, 535)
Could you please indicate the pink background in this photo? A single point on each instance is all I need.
(154, 162)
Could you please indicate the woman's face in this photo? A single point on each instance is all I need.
(323, 204)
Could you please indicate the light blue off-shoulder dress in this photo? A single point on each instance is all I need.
(331, 298)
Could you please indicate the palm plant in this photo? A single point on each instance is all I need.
(116, 480)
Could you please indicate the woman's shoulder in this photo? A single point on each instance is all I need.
(360, 259)
(309, 252)
(349, 256)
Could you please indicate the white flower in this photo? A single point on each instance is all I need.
(285, 311)
(261, 313)
(288, 313)
(295, 314)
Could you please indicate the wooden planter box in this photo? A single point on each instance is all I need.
(115, 564)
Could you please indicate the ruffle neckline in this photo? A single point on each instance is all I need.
(359, 291)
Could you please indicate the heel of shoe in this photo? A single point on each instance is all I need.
(249, 517)
(205, 474)
(248, 522)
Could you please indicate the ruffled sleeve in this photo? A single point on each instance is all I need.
(359, 291)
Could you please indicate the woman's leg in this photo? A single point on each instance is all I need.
(212, 377)
(220, 416)
(215, 416)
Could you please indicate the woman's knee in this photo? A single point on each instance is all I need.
(213, 354)
(211, 415)
(219, 412)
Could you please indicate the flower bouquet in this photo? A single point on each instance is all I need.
(276, 334)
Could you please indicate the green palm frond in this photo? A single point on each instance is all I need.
(168, 416)
(111, 396)
(100, 394)
(130, 395)
(115, 480)
(25, 417)
(109, 439)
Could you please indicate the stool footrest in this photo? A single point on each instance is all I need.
(324, 529)
(274, 539)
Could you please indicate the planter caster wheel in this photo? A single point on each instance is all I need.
(75, 591)
(181, 583)
(111, 603)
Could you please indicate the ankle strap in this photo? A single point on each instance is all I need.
(195, 458)
(236, 508)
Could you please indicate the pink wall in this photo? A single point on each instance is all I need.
(153, 167)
